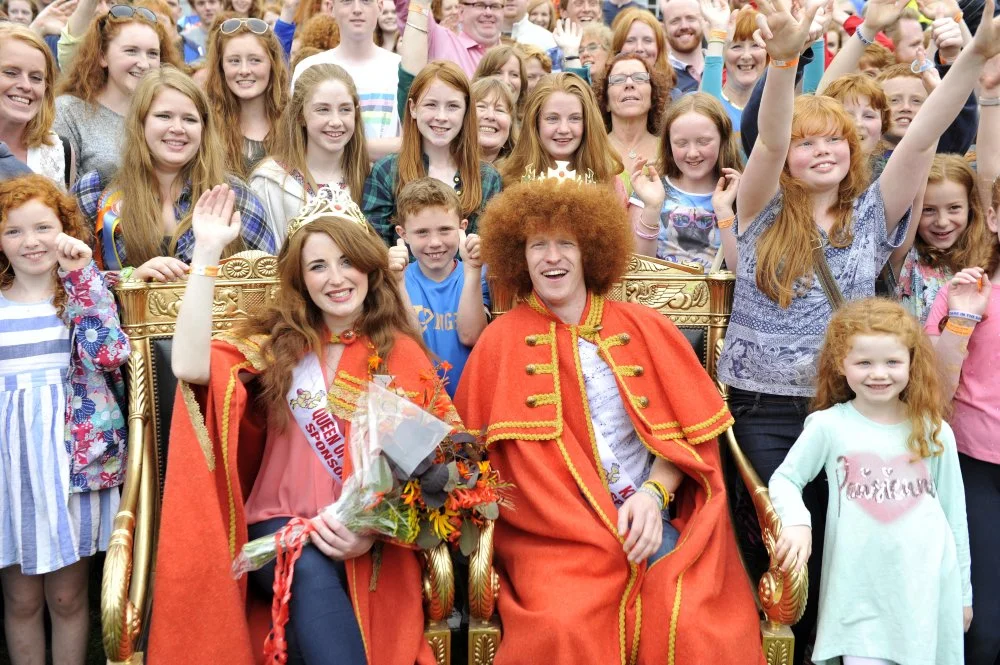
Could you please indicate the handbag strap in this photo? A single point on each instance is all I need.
(826, 279)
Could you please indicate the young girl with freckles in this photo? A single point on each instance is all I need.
(896, 585)
(806, 188)
(248, 85)
(62, 435)
(320, 142)
(700, 164)
(964, 324)
(440, 140)
(94, 95)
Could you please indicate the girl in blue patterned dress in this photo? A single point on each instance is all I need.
(62, 433)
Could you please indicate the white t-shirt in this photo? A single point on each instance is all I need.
(376, 81)
(526, 32)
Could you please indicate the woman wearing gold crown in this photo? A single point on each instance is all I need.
(244, 459)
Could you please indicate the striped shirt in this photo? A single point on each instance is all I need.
(376, 80)
(32, 337)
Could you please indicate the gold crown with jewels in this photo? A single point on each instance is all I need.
(329, 203)
(561, 173)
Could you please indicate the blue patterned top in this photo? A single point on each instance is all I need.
(773, 350)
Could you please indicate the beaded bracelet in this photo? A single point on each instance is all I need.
(958, 329)
(650, 492)
(956, 314)
(726, 222)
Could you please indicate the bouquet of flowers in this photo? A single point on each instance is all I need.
(416, 482)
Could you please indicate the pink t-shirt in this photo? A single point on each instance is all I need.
(976, 418)
(443, 44)
(292, 482)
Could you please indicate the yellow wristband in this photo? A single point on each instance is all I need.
(658, 487)
(206, 271)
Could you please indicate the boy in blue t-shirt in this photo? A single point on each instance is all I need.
(446, 296)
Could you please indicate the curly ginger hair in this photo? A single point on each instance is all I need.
(591, 213)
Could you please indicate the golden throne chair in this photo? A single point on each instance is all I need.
(148, 313)
(700, 305)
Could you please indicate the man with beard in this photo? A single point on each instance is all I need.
(683, 24)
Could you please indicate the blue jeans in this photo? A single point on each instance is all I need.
(322, 628)
(766, 427)
(670, 537)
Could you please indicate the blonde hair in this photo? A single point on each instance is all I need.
(494, 61)
(464, 148)
(227, 105)
(531, 52)
(86, 79)
(292, 140)
(922, 396)
(595, 153)
(494, 85)
(141, 207)
(536, 3)
(784, 250)
(36, 132)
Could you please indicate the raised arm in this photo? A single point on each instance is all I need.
(471, 319)
(784, 36)
(416, 40)
(215, 225)
(720, 24)
(917, 146)
(988, 142)
(880, 14)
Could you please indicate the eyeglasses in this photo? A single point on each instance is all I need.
(592, 47)
(637, 77)
(128, 11)
(254, 25)
(350, 3)
(484, 7)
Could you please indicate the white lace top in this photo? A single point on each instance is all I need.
(49, 160)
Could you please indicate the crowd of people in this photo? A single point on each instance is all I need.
(410, 161)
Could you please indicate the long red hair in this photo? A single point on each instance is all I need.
(294, 324)
(925, 406)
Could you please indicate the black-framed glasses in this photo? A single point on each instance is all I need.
(254, 25)
(620, 79)
(128, 11)
(496, 8)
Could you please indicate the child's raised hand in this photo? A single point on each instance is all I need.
(468, 250)
(966, 618)
(986, 42)
(647, 185)
(568, 35)
(214, 222)
(793, 547)
(716, 13)
(783, 34)
(880, 14)
(969, 291)
(929, 74)
(399, 259)
(71, 253)
(724, 196)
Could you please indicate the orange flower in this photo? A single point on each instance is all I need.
(373, 362)
(444, 365)
(411, 492)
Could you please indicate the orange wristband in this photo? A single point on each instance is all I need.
(958, 17)
(958, 329)
(207, 271)
(785, 64)
(726, 222)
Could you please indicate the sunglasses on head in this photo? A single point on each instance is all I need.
(128, 11)
(254, 25)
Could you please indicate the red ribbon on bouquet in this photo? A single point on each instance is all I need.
(289, 548)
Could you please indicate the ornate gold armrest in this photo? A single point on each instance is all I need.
(484, 587)
(127, 566)
(782, 595)
(439, 599)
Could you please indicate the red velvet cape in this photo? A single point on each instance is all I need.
(568, 595)
(200, 613)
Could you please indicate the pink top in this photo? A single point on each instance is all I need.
(976, 418)
(292, 482)
(443, 44)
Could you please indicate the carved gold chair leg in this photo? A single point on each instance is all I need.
(120, 615)
(782, 595)
(484, 587)
(439, 600)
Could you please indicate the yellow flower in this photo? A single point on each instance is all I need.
(441, 521)
(411, 492)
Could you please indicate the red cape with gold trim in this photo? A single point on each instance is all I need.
(199, 610)
(568, 595)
